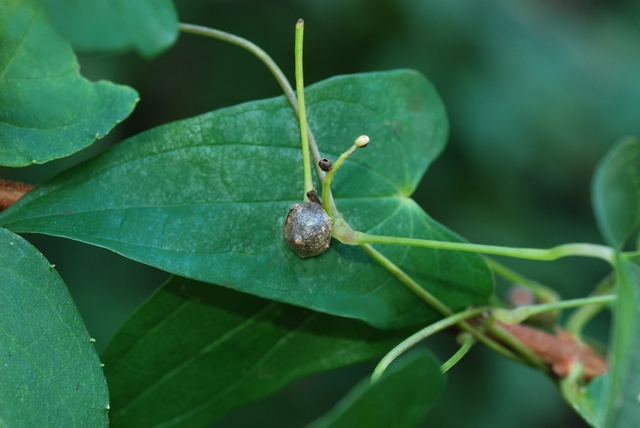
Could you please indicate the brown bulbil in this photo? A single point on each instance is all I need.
(307, 229)
(325, 164)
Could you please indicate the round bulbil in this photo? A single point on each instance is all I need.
(307, 229)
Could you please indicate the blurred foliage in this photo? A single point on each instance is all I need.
(535, 90)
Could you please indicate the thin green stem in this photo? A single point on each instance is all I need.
(413, 286)
(527, 355)
(521, 313)
(541, 292)
(468, 341)
(326, 185)
(421, 335)
(433, 301)
(585, 250)
(273, 68)
(630, 255)
(308, 185)
(581, 316)
(345, 230)
(251, 47)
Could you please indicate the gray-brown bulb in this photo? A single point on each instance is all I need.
(307, 229)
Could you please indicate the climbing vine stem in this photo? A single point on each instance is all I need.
(421, 335)
(302, 110)
(554, 253)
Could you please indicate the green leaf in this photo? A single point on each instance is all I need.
(616, 193)
(620, 403)
(206, 198)
(48, 110)
(148, 26)
(217, 349)
(50, 373)
(400, 399)
(585, 399)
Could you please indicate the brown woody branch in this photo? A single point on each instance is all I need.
(561, 352)
(11, 191)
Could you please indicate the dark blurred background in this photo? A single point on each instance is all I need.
(536, 91)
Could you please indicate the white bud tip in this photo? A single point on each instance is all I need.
(92, 340)
(362, 141)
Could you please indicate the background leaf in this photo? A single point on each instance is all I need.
(206, 198)
(50, 373)
(218, 349)
(148, 26)
(616, 193)
(49, 111)
(619, 403)
(586, 400)
(400, 399)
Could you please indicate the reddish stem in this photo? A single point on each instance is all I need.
(11, 191)
(561, 352)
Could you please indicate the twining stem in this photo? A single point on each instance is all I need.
(413, 286)
(274, 69)
(581, 317)
(415, 338)
(435, 303)
(521, 313)
(326, 184)
(302, 110)
(585, 250)
(346, 231)
(251, 47)
(468, 341)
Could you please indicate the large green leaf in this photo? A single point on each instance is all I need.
(148, 26)
(50, 374)
(206, 198)
(620, 403)
(217, 349)
(400, 399)
(47, 110)
(616, 193)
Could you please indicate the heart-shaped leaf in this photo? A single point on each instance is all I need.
(218, 349)
(50, 373)
(48, 110)
(206, 198)
(400, 399)
(148, 26)
(616, 193)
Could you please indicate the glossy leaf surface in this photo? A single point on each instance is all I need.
(217, 349)
(50, 373)
(47, 109)
(148, 26)
(206, 198)
(616, 193)
(400, 399)
(619, 404)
